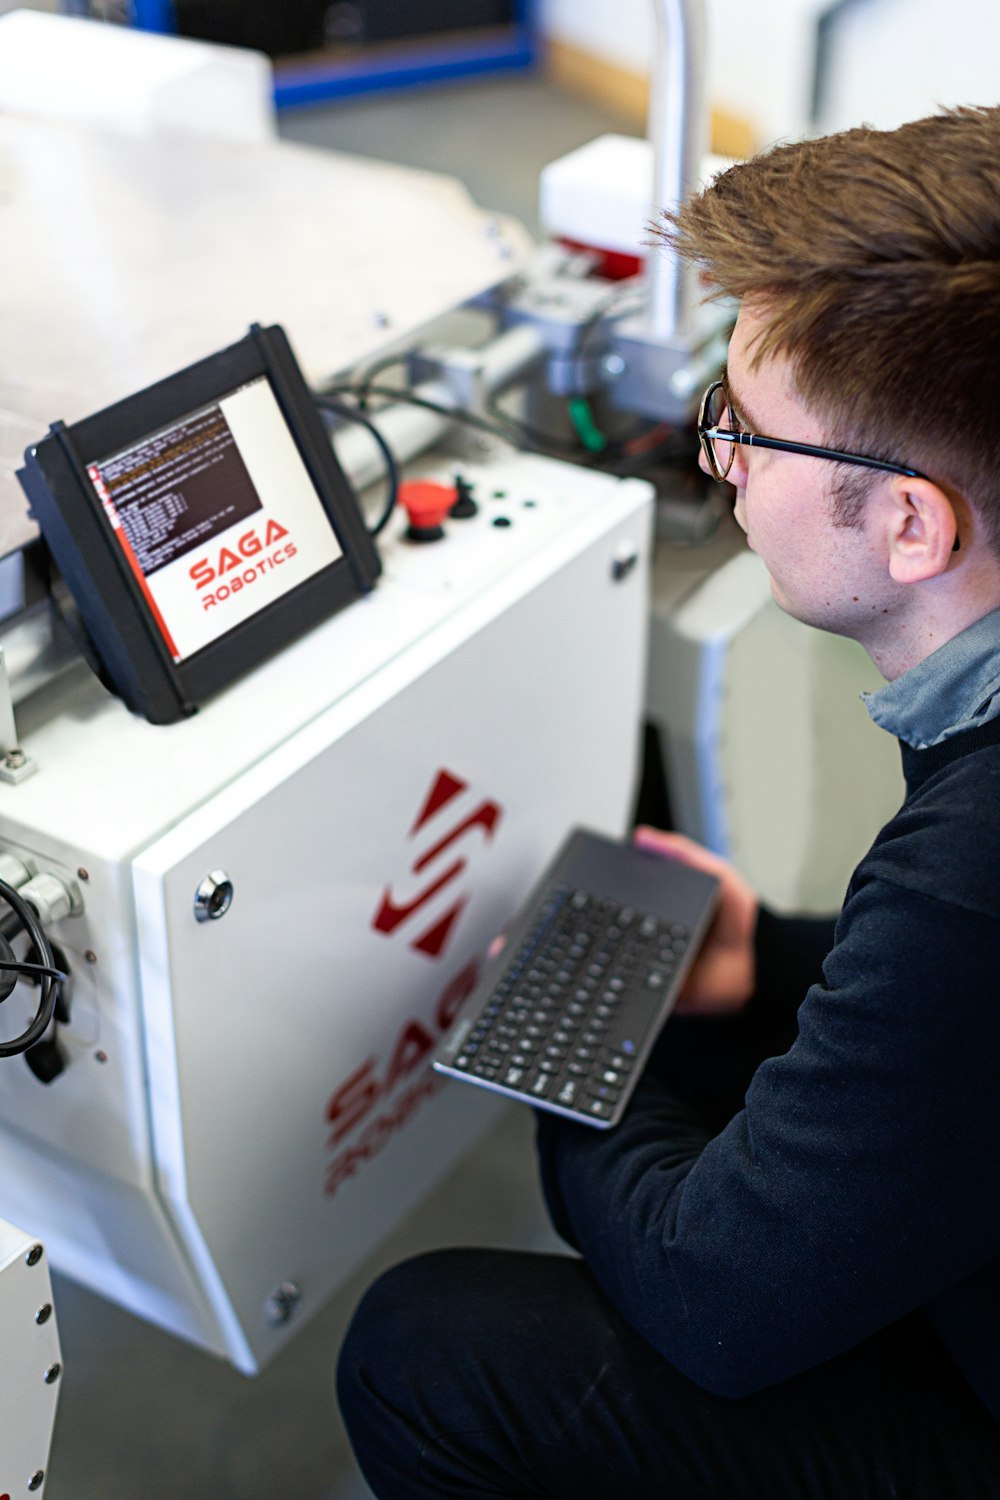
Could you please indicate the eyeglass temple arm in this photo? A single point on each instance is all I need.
(808, 450)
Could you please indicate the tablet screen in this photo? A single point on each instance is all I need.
(216, 515)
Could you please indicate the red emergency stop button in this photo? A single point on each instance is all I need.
(427, 502)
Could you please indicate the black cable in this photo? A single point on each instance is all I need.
(507, 429)
(23, 967)
(364, 378)
(560, 445)
(578, 449)
(500, 424)
(51, 976)
(352, 414)
(410, 398)
(367, 377)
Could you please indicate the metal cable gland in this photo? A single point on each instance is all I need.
(50, 897)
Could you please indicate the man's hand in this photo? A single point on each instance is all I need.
(721, 979)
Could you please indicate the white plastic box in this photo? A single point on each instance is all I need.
(67, 68)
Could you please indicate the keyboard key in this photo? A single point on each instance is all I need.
(620, 1062)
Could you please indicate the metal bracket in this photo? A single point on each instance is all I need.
(15, 765)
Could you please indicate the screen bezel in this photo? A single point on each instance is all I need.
(115, 613)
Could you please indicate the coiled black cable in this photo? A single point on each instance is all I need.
(52, 978)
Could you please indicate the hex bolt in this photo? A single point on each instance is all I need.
(52, 1374)
(214, 897)
(44, 1313)
(283, 1303)
(15, 758)
(34, 1255)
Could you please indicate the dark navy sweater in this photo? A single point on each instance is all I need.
(861, 1179)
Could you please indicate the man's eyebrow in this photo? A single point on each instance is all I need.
(739, 411)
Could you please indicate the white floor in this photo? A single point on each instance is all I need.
(144, 1417)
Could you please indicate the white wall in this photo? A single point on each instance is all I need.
(760, 69)
(895, 60)
(618, 30)
(887, 60)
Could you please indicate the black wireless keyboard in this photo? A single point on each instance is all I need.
(565, 1017)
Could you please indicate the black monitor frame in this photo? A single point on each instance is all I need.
(131, 652)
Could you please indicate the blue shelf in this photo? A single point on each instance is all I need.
(515, 51)
(512, 49)
(153, 15)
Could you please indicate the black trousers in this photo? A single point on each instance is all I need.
(480, 1373)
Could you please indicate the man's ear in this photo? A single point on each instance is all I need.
(923, 529)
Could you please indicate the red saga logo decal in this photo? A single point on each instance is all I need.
(433, 869)
(230, 563)
(361, 1107)
(358, 1099)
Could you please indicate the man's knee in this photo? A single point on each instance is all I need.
(385, 1333)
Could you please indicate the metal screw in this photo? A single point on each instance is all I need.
(82, 874)
(34, 1255)
(100, 1057)
(214, 897)
(44, 1313)
(52, 1374)
(283, 1303)
(613, 366)
(381, 319)
(37, 1480)
(622, 565)
(90, 956)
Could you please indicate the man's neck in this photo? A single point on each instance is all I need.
(909, 637)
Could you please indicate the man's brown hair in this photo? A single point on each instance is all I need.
(876, 257)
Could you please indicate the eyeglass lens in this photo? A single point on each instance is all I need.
(717, 415)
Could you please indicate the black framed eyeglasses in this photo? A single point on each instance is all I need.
(719, 442)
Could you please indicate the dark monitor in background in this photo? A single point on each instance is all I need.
(200, 525)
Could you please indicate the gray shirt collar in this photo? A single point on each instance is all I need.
(955, 688)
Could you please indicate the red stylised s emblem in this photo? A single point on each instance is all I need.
(433, 869)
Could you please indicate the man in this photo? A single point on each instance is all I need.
(796, 1293)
